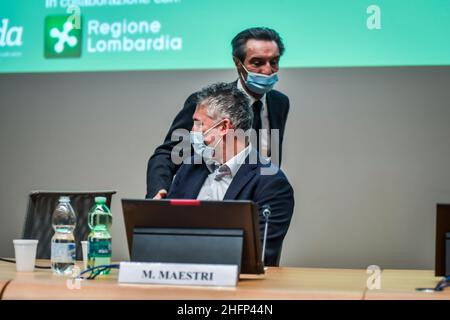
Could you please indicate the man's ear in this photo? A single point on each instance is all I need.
(226, 126)
(241, 71)
(236, 61)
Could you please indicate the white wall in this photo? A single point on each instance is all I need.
(366, 149)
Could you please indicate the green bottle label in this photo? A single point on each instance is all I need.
(100, 248)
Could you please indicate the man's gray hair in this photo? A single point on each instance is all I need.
(225, 100)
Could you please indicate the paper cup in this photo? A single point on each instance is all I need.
(84, 246)
(25, 251)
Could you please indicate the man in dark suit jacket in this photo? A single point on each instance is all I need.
(256, 54)
(232, 169)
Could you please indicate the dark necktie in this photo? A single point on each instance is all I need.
(257, 125)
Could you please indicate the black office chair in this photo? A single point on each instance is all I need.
(277, 263)
(38, 222)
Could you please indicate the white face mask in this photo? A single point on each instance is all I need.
(200, 148)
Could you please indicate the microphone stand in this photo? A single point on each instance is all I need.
(266, 211)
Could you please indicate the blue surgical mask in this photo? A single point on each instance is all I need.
(260, 83)
(200, 147)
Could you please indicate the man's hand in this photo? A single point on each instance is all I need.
(160, 195)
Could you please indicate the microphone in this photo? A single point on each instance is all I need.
(266, 211)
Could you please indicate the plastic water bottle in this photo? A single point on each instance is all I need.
(63, 242)
(99, 239)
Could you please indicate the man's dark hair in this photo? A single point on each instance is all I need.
(225, 100)
(240, 40)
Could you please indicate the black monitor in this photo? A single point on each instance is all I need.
(442, 266)
(149, 221)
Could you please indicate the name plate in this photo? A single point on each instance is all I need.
(179, 274)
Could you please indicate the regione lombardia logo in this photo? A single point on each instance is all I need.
(62, 39)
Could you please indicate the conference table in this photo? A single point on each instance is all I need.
(277, 283)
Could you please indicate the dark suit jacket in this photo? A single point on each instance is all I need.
(248, 184)
(160, 168)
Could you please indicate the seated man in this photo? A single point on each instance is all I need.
(231, 169)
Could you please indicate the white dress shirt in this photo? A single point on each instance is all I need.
(215, 188)
(264, 148)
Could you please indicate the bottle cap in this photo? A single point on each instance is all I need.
(64, 199)
(100, 200)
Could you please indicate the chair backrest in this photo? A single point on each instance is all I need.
(38, 221)
(277, 261)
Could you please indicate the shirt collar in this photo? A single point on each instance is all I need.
(234, 163)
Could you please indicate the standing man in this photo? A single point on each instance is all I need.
(256, 55)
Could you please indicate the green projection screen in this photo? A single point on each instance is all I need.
(102, 35)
